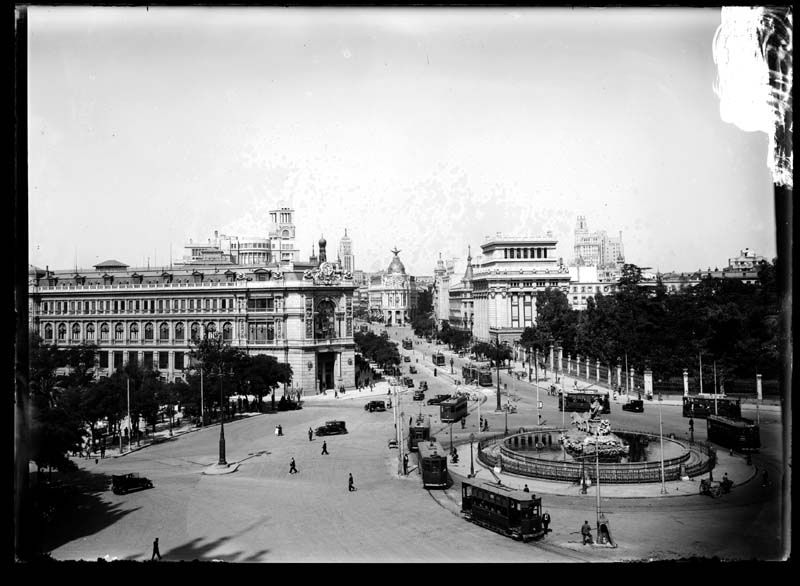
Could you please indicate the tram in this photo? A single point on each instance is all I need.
(702, 405)
(481, 375)
(453, 409)
(408, 344)
(514, 513)
(582, 401)
(432, 464)
(438, 359)
(418, 431)
(741, 434)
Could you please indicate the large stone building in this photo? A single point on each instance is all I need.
(346, 253)
(462, 306)
(440, 292)
(300, 313)
(504, 286)
(393, 294)
(597, 248)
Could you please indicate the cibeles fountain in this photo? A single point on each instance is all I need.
(619, 456)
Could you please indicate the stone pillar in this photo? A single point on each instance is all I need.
(648, 383)
(569, 363)
(619, 375)
(630, 380)
(685, 382)
(598, 371)
(559, 358)
(758, 387)
(577, 365)
(552, 359)
(587, 368)
(609, 376)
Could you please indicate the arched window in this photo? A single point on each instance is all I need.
(163, 332)
(76, 332)
(104, 332)
(48, 332)
(119, 332)
(195, 331)
(179, 331)
(211, 327)
(325, 323)
(134, 331)
(90, 332)
(148, 331)
(62, 331)
(227, 332)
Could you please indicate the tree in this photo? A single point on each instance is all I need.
(265, 373)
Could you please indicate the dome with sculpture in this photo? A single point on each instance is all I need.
(396, 266)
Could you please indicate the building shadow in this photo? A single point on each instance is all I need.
(200, 550)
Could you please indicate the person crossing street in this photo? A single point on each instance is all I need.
(324, 449)
(292, 467)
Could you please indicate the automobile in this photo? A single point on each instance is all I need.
(438, 399)
(406, 358)
(392, 443)
(124, 483)
(423, 386)
(375, 406)
(419, 395)
(331, 428)
(412, 369)
(408, 381)
(634, 405)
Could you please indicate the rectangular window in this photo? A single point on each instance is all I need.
(148, 360)
(133, 358)
(270, 332)
(118, 360)
(136, 305)
(515, 311)
(263, 304)
(527, 311)
(205, 304)
(178, 360)
(103, 356)
(175, 305)
(163, 360)
(152, 306)
(214, 305)
(183, 304)
(160, 306)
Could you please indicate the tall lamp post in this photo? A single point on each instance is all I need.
(536, 369)
(451, 365)
(471, 463)
(497, 365)
(661, 438)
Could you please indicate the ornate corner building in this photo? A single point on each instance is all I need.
(393, 295)
(300, 313)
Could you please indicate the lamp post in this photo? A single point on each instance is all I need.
(497, 366)
(451, 365)
(202, 410)
(536, 369)
(130, 423)
(661, 439)
(471, 463)
(506, 410)
(597, 473)
(451, 438)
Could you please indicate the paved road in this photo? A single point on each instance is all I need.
(262, 513)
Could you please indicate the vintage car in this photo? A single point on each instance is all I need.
(375, 406)
(331, 428)
(408, 381)
(124, 483)
(438, 399)
(392, 443)
(406, 358)
(634, 405)
(419, 395)
(412, 369)
(423, 386)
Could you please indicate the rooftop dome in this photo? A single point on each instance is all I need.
(396, 266)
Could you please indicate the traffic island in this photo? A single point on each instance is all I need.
(216, 469)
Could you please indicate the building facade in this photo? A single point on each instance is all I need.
(440, 292)
(504, 286)
(393, 294)
(301, 314)
(462, 306)
(597, 248)
(346, 253)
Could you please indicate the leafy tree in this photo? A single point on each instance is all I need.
(265, 373)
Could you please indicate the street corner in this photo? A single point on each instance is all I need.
(217, 469)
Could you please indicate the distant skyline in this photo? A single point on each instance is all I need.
(425, 129)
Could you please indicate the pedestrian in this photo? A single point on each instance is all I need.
(410, 419)
(324, 449)
(586, 532)
(463, 423)
(276, 430)
(102, 450)
(335, 394)
(155, 551)
(292, 467)
(546, 521)
(280, 429)
(405, 464)
(350, 485)
(310, 434)
(525, 488)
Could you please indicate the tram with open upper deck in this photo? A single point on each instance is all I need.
(432, 464)
(514, 513)
(741, 434)
(702, 405)
(583, 400)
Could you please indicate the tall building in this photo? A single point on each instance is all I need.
(597, 248)
(346, 253)
(281, 235)
(504, 286)
(441, 291)
(393, 294)
(462, 305)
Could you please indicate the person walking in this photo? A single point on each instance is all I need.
(586, 532)
(102, 450)
(292, 467)
(546, 521)
(280, 429)
(350, 485)
(324, 449)
(156, 553)
(525, 488)
(405, 464)
(310, 434)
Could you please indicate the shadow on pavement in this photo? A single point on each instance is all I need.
(198, 551)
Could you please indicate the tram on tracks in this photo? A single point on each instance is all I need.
(418, 431)
(702, 405)
(453, 409)
(582, 401)
(513, 513)
(432, 464)
(408, 344)
(438, 359)
(480, 375)
(741, 434)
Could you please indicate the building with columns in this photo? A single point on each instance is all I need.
(504, 286)
(393, 294)
(461, 301)
(300, 313)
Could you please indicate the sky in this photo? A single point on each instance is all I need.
(427, 129)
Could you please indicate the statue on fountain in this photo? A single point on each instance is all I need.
(592, 437)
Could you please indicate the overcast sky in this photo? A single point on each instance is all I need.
(425, 129)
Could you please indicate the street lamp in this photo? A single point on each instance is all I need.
(471, 463)
(451, 365)
(497, 365)
(507, 406)
(661, 438)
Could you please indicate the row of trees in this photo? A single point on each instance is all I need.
(377, 348)
(725, 320)
(66, 408)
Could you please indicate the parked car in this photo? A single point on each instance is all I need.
(412, 369)
(438, 399)
(419, 395)
(423, 386)
(331, 428)
(392, 443)
(124, 483)
(406, 358)
(375, 406)
(408, 381)
(635, 405)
